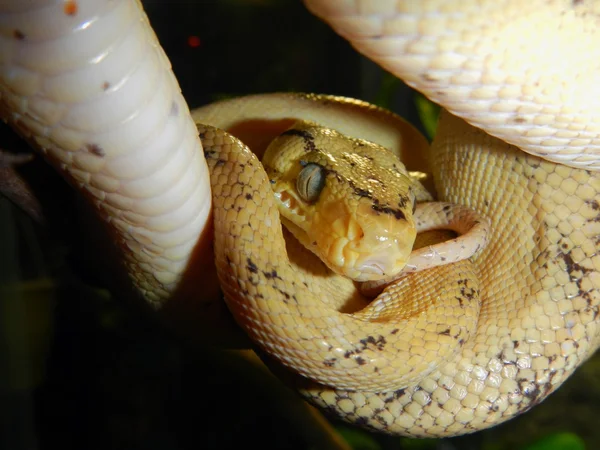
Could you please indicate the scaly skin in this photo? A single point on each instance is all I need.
(92, 90)
(289, 307)
(523, 72)
(493, 63)
(539, 279)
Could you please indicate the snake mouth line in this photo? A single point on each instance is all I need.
(292, 204)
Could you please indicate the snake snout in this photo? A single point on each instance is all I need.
(362, 245)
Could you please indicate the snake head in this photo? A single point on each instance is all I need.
(347, 200)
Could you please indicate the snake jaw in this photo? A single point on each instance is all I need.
(385, 246)
(360, 244)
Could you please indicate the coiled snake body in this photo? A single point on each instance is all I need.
(536, 283)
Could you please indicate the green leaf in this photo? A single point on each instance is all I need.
(418, 444)
(428, 113)
(358, 440)
(558, 441)
(389, 84)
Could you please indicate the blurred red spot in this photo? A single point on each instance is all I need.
(194, 41)
(70, 7)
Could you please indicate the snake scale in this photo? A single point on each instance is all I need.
(93, 92)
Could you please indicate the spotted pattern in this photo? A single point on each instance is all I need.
(298, 312)
(540, 278)
(537, 282)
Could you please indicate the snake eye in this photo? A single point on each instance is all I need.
(310, 182)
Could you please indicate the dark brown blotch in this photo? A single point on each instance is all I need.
(329, 362)
(378, 343)
(251, 266)
(396, 213)
(95, 149)
(403, 200)
(272, 274)
(309, 139)
(174, 111)
(428, 77)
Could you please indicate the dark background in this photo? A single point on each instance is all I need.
(82, 369)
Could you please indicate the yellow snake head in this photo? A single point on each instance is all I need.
(348, 200)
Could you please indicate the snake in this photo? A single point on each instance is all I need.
(87, 84)
(263, 293)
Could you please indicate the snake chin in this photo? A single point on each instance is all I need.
(377, 266)
(372, 267)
